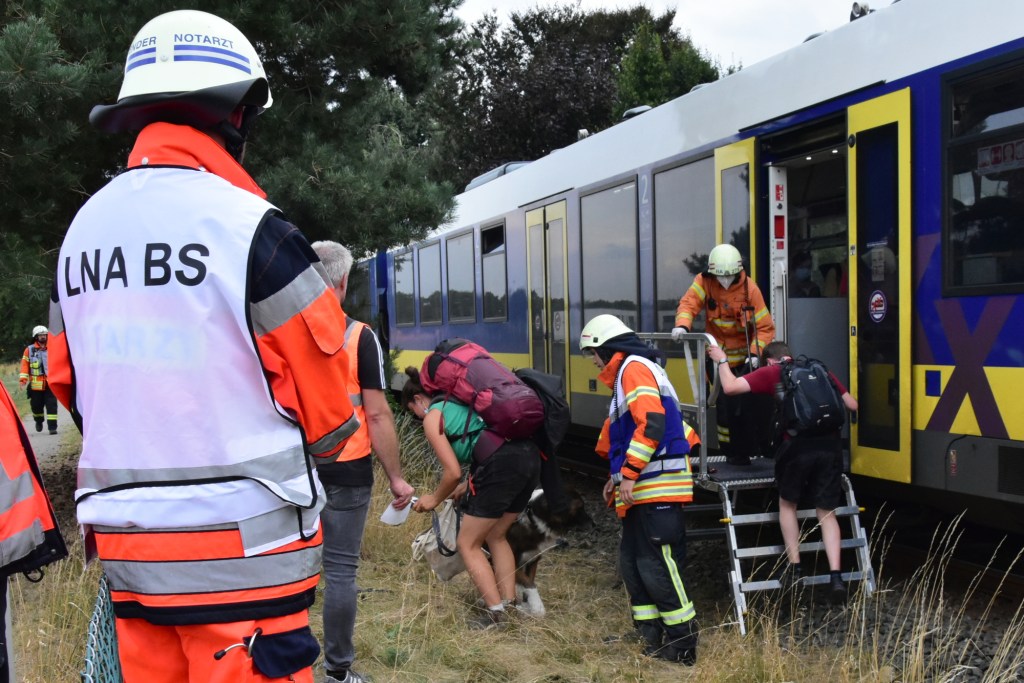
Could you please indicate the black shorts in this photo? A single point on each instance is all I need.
(810, 468)
(505, 481)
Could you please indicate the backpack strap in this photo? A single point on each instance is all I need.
(436, 523)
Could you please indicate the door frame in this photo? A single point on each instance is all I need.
(730, 156)
(543, 216)
(893, 108)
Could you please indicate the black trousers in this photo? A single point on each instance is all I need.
(745, 422)
(40, 401)
(652, 554)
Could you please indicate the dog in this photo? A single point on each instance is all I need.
(536, 531)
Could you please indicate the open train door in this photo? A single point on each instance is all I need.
(880, 296)
(546, 253)
(735, 198)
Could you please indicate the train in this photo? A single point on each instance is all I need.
(873, 179)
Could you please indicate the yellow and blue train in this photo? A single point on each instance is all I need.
(872, 176)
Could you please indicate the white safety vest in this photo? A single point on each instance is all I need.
(153, 287)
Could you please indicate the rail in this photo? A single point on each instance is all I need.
(699, 342)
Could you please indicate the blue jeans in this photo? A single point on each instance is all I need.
(343, 520)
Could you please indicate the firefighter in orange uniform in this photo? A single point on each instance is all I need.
(29, 536)
(738, 319)
(200, 353)
(34, 367)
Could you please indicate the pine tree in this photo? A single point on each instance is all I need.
(346, 151)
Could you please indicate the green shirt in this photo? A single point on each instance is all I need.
(453, 417)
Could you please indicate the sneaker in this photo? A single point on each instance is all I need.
(487, 619)
(39, 426)
(53, 431)
(837, 589)
(349, 677)
(789, 576)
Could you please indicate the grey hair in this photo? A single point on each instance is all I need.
(336, 259)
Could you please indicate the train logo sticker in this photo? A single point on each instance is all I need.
(877, 306)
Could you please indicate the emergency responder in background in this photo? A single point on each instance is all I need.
(207, 365)
(348, 478)
(738, 319)
(29, 536)
(647, 444)
(34, 371)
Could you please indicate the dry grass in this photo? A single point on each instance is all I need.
(410, 626)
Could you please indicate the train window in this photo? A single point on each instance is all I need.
(736, 209)
(430, 283)
(461, 278)
(985, 183)
(684, 234)
(609, 240)
(357, 295)
(492, 250)
(405, 299)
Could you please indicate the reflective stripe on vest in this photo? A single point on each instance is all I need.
(38, 367)
(667, 475)
(201, 574)
(168, 382)
(30, 538)
(358, 445)
(623, 426)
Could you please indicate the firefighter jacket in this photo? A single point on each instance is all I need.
(29, 536)
(726, 311)
(644, 437)
(206, 354)
(34, 367)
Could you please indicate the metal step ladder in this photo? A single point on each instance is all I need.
(713, 473)
(857, 541)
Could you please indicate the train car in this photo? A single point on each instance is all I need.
(873, 178)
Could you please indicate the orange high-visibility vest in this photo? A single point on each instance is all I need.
(29, 536)
(358, 445)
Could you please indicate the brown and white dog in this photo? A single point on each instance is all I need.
(536, 531)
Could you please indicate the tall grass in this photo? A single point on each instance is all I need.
(411, 627)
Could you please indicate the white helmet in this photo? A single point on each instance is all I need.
(601, 329)
(725, 259)
(185, 67)
(38, 330)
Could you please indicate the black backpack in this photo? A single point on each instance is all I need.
(549, 436)
(811, 402)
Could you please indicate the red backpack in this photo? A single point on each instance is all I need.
(464, 371)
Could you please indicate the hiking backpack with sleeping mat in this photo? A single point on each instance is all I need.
(464, 371)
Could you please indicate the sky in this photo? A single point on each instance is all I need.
(731, 32)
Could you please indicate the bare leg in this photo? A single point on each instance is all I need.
(472, 533)
(830, 536)
(790, 529)
(502, 558)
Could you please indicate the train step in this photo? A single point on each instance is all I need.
(742, 558)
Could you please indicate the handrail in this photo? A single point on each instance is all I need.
(697, 383)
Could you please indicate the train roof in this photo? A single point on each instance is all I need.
(891, 43)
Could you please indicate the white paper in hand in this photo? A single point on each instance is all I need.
(395, 517)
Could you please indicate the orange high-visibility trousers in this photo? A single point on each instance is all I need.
(175, 654)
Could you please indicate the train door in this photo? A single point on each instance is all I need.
(879, 284)
(735, 197)
(546, 251)
(809, 240)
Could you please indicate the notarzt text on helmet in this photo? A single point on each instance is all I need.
(203, 39)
